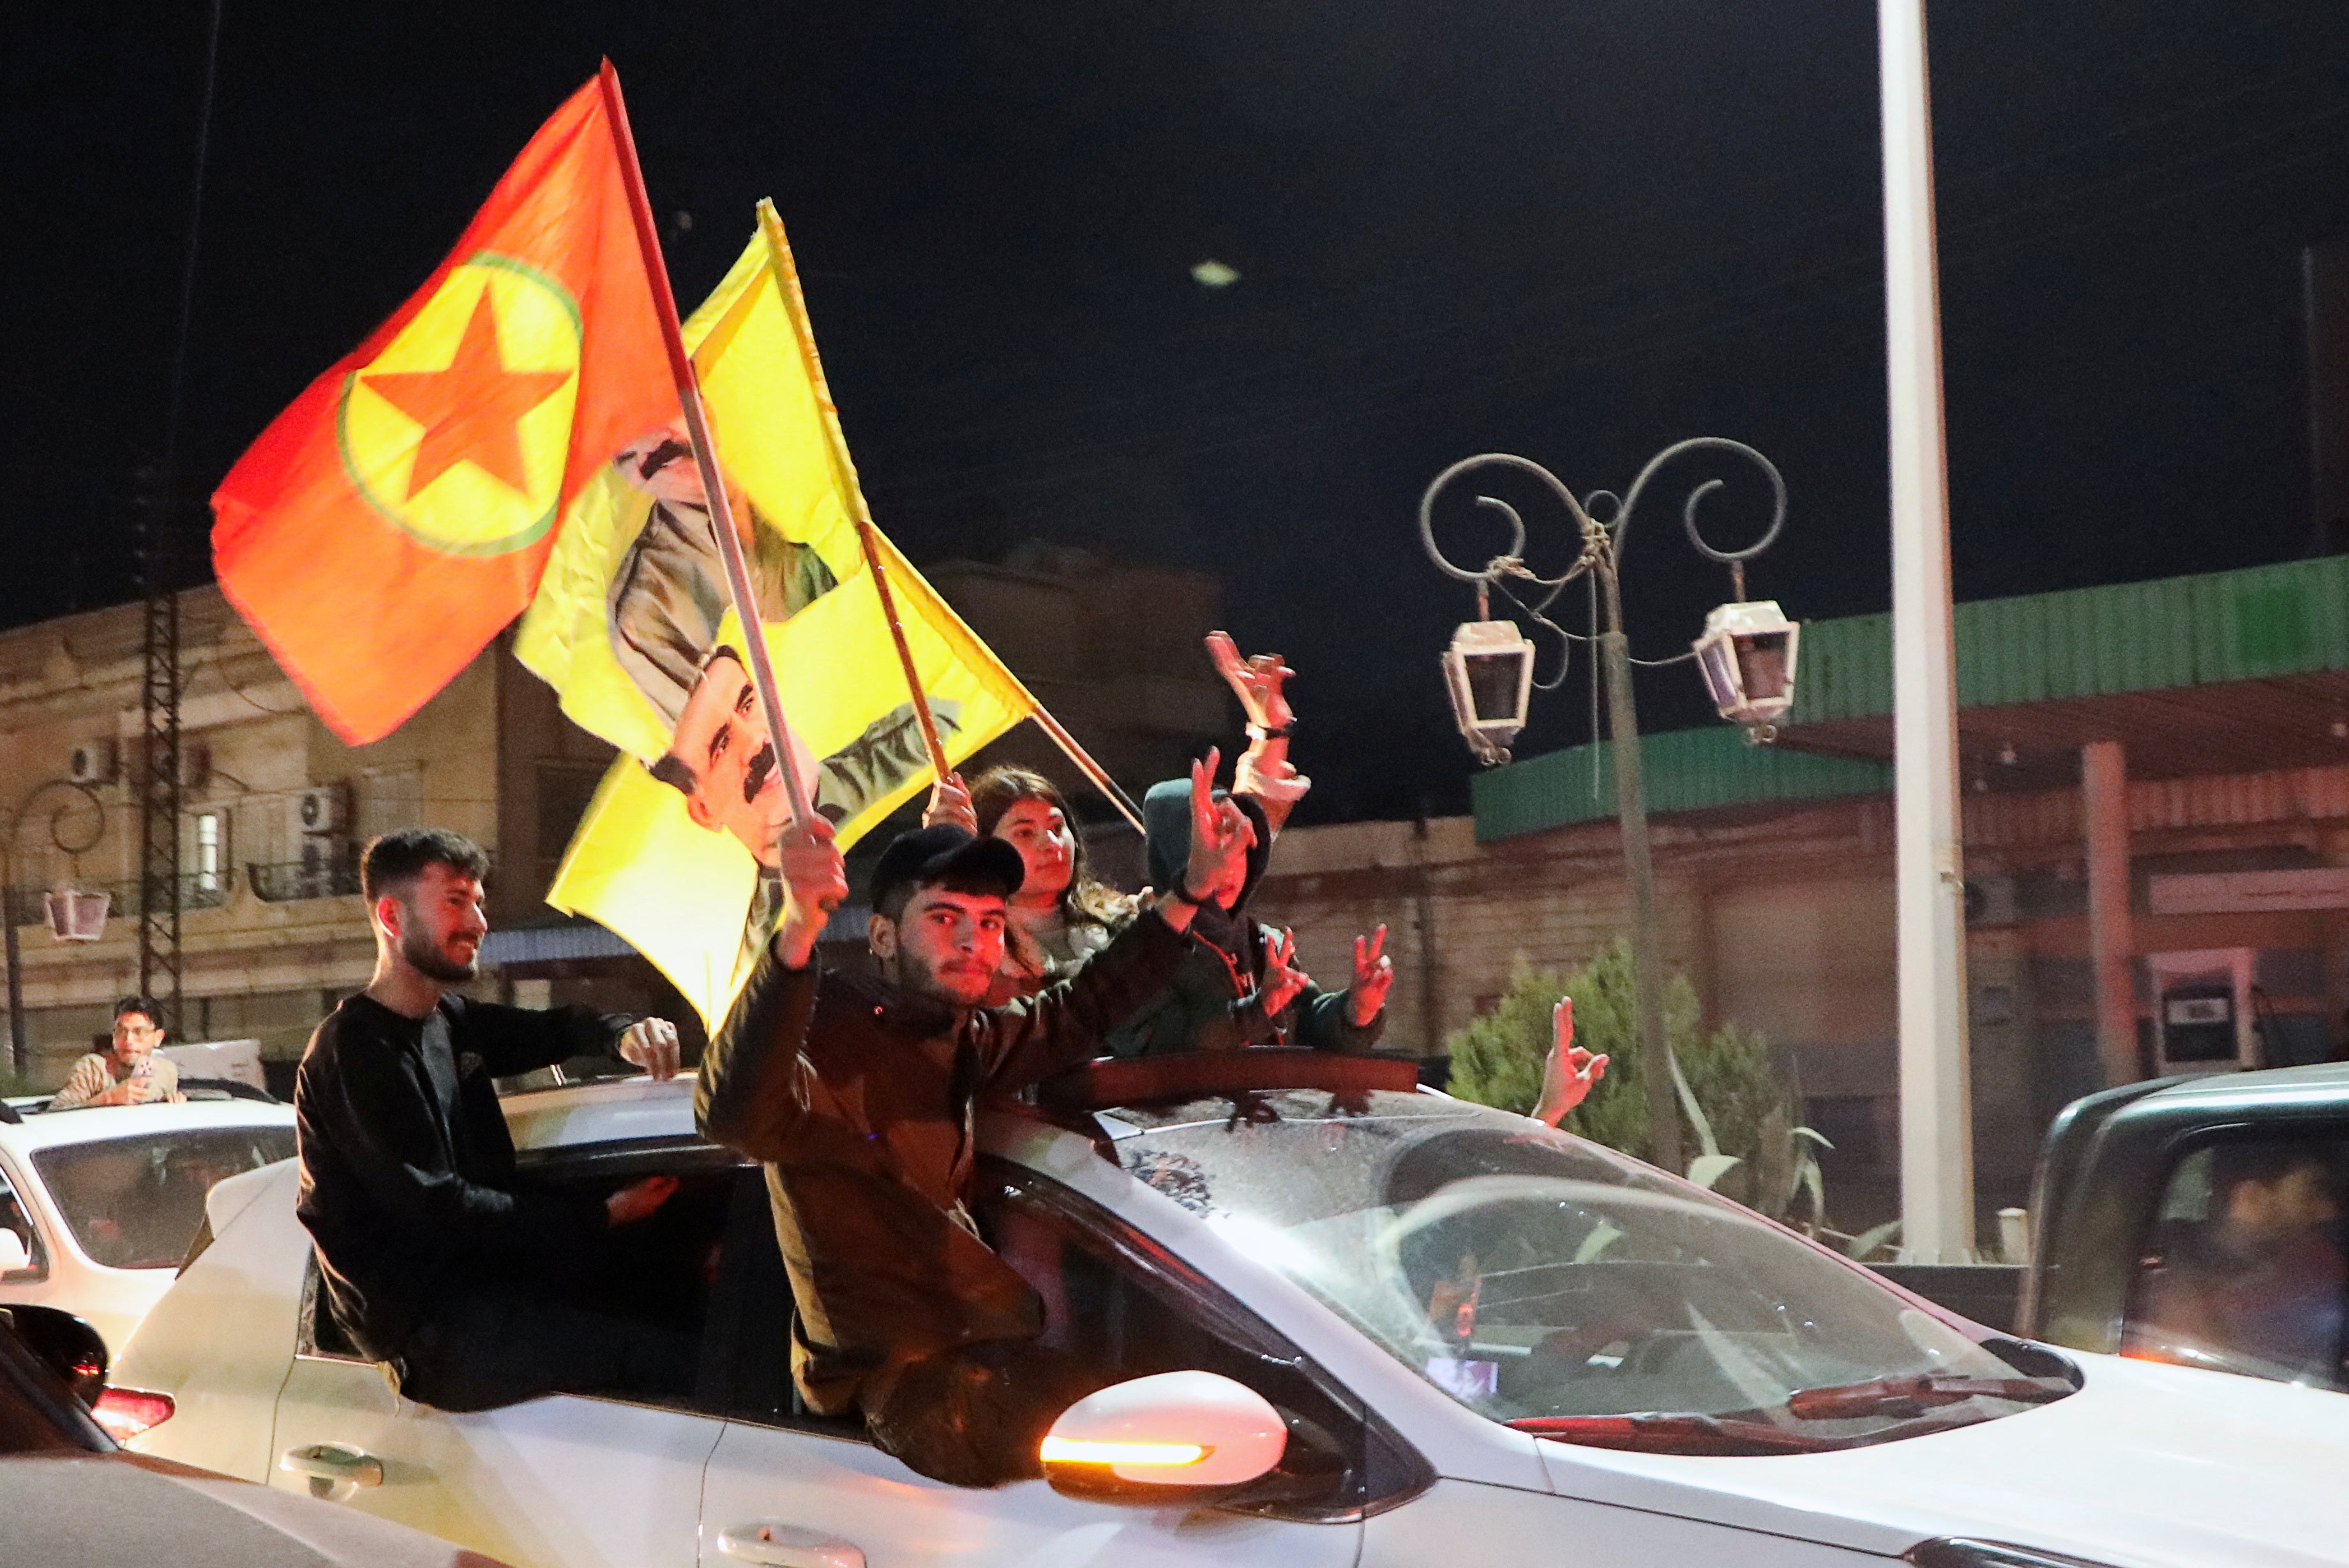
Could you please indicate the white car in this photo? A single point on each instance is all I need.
(1493, 1345)
(97, 1206)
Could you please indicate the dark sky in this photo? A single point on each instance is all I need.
(1579, 232)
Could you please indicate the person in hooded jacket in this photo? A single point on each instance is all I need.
(1240, 985)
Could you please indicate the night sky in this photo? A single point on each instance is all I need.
(1576, 231)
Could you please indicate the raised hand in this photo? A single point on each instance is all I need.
(1569, 1072)
(638, 1199)
(1284, 982)
(1373, 979)
(1221, 836)
(950, 806)
(1256, 682)
(816, 883)
(651, 1044)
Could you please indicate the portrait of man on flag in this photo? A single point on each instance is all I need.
(634, 626)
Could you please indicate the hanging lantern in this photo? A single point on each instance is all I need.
(1489, 672)
(74, 916)
(1747, 657)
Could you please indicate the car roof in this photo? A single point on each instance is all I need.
(2299, 1087)
(97, 1124)
(638, 1112)
(615, 1110)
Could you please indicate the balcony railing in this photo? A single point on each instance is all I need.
(287, 880)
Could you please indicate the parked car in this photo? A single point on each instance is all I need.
(70, 1498)
(99, 1206)
(2199, 1221)
(1488, 1343)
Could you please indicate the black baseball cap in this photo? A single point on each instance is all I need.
(948, 855)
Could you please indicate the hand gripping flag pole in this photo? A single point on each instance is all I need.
(705, 456)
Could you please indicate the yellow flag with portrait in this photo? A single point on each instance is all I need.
(633, 629)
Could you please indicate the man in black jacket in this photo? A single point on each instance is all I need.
(431, 1262)
(860, 1101)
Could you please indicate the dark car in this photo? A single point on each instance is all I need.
(2199, 1221)
(69, 1497)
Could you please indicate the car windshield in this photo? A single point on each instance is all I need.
(135, 1203)
(1551, 1284)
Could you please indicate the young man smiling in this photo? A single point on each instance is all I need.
(431, 1260)
(860, 1100)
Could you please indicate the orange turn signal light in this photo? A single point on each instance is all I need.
(1077, 1451)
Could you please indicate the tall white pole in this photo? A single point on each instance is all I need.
(1936, 1167)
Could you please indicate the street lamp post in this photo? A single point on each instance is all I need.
(1747, 654)
(68, 921)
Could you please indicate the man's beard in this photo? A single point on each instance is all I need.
(432, 962)
(923, 981)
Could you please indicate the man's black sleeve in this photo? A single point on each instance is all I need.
(1065, 1024)
(512, 1040)
(755, 1084)
(378, 1115)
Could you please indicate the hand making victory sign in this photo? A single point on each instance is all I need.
(1569, 1072)
(1283, 981)
(1373, 979)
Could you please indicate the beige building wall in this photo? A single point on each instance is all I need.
(266, 947)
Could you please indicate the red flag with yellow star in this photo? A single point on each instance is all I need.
(389, 523)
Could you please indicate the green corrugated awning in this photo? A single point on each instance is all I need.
(1687, 771)
(2222, 671)
(2257, 623)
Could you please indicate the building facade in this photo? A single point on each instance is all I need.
(2156, 838)
(273, 930)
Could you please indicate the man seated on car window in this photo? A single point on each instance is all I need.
(859, 1098)
(431, 1262)
(2259, 1287)
(129, 1074)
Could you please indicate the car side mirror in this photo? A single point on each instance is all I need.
(66, 1345)
(1176, 1437)
(15, 1256)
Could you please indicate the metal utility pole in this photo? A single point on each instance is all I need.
(1937, 1168)
(157, 773)
(1639, 867)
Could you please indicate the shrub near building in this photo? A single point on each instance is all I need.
(1746, 1113)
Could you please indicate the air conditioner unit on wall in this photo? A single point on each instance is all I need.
(91, 762)
(323, 808)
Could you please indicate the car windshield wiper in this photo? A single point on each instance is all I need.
(1658, 1432)
(1915, 1396)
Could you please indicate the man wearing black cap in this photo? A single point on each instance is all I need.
(860, 1100)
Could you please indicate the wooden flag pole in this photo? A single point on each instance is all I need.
(705, 455)
(787, 284)
(787, 281)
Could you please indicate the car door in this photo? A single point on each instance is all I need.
(782, 1477)
(563, 1481)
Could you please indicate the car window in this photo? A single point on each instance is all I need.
(2245, 1269)
(1112, 1299)
(30, 1422)
(1544, 1281)
(660, 1270)
(14, 1217)
(136, 1202)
